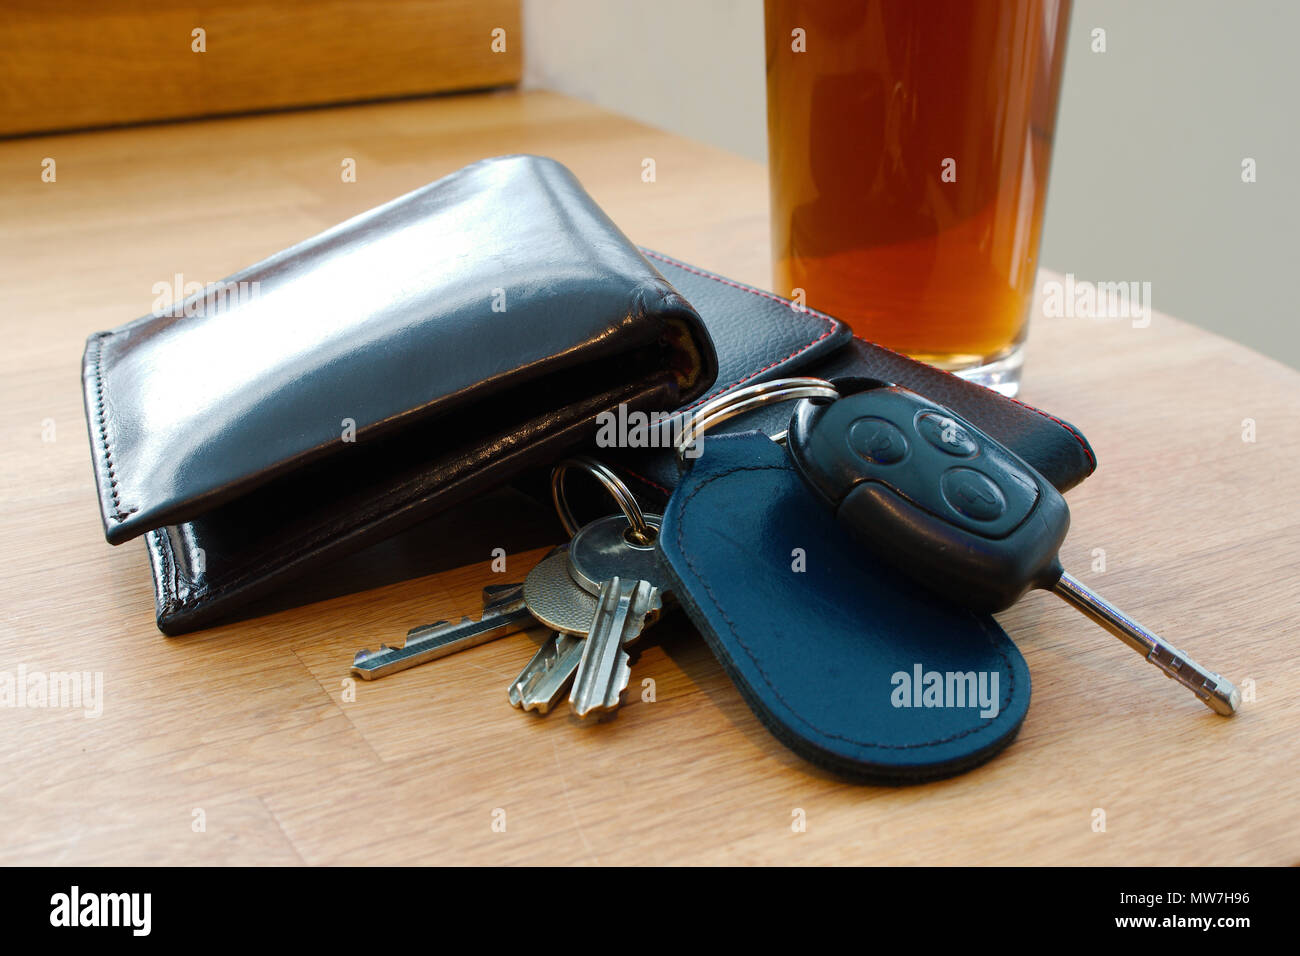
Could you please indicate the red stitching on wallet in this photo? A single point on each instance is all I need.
(645, 481)
(1092, 462)
(830, 323)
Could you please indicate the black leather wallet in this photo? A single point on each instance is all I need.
(370, 376)
(460, 335)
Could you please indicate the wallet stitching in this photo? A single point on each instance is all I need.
(1092, 461)
(645, 481)
(102, 430)
(1011, 674)
(169, 567)
(830, 323)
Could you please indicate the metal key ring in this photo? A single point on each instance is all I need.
(640, 529)
(730, 404)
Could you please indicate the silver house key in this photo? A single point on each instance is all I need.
(556, 598)
(556, 601)
(563, 594)
(543, 681)
(605, 668)
(620, 546)
(504, 612)
(606, 548)
(563, 591)
(615, 559)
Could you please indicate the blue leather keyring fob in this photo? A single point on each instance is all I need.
(849, 664)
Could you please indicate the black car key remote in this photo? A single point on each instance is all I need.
(959, 512)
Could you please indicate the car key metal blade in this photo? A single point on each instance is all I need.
(605, 669)
(507, 614)
(1216, 692)
(546, 678)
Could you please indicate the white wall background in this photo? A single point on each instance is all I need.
(1146, 179)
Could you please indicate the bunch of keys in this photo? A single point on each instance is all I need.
(597, 594)
(914, 482)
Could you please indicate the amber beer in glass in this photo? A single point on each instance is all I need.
(909, 145)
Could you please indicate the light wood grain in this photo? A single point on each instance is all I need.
(247, 721)
(80, 63)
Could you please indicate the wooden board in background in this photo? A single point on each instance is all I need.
(84, 63)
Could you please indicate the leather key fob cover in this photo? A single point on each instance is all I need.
(848, 663)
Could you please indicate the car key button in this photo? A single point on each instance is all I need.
(878, 441)
(945, 434)
(972, 494)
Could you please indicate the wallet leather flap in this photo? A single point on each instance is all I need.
(757, 335)
(777, 340)
(497, 291)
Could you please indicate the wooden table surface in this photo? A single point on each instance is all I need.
(235, 745)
